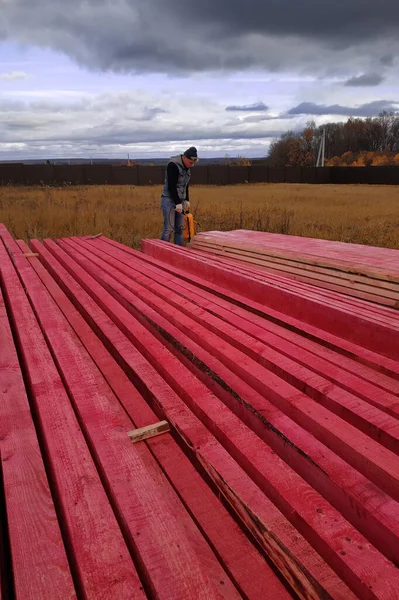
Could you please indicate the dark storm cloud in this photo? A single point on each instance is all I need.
(169, 35)
(387, 60)
(259, 106)
(366, 80)
(370, 109)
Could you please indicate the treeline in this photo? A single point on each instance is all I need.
(373, 141)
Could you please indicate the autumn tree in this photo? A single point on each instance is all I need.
(356, 142)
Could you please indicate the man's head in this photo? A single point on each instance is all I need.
(190, 157)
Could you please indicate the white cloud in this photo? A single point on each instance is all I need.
(134, 121)
(13, 76)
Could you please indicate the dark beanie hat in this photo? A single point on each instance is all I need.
(191, 153)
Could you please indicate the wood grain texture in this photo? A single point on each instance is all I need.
(295, 425)
(368, 366)
(172, 262)
(39, 561)
(348, 283)
(207, 408)
(147, 292)
(85, 515)
(380, 263)
(246, 567)
(149, 431)
(335, 316)
(318, 383)
(167, 402)
(173, 558)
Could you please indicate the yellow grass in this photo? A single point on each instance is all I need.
(359, 214)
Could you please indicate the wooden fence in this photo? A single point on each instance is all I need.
(21, 174)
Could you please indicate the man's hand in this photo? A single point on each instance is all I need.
(179, 208)
(186, 205)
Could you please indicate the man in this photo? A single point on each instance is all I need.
(175, 194)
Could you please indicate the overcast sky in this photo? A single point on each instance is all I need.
(106, 78)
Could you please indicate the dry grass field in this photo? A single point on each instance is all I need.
(352, 213)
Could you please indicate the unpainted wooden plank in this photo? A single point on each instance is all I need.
(149, 431)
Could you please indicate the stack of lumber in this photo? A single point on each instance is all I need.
(276, 475)
(364, 272)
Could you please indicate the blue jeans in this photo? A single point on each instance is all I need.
(173, 222)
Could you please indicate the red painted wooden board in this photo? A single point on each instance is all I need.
(297, 263)
(348, 357)
(307, 290)
(85, 515)
(243, 495)
(272, 335)
(330, 301)
(370, 260)
(360, 286)
(369, 419)
(375, 295)
(373, 513)
(39, 562)
(372, 460)
(304, 287)
(173, 558)
(246, 567)
(337, 316)
(167, 255)
(238, 439)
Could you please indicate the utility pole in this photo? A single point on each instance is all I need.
(322, 150)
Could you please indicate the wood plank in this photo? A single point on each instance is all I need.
(82, 505)
(331, 282)
(384, 428)
(193, 434)
(236, 437)
(308, 288)
(369, 365)
(353, 306)
(290, 316)
(380, 263)
(149, 431)
(39, 562)
(322, 361)
(309, 267)
(174, 559)
(246, 567)
(296, 407)
(182, 336)
(353, 359)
